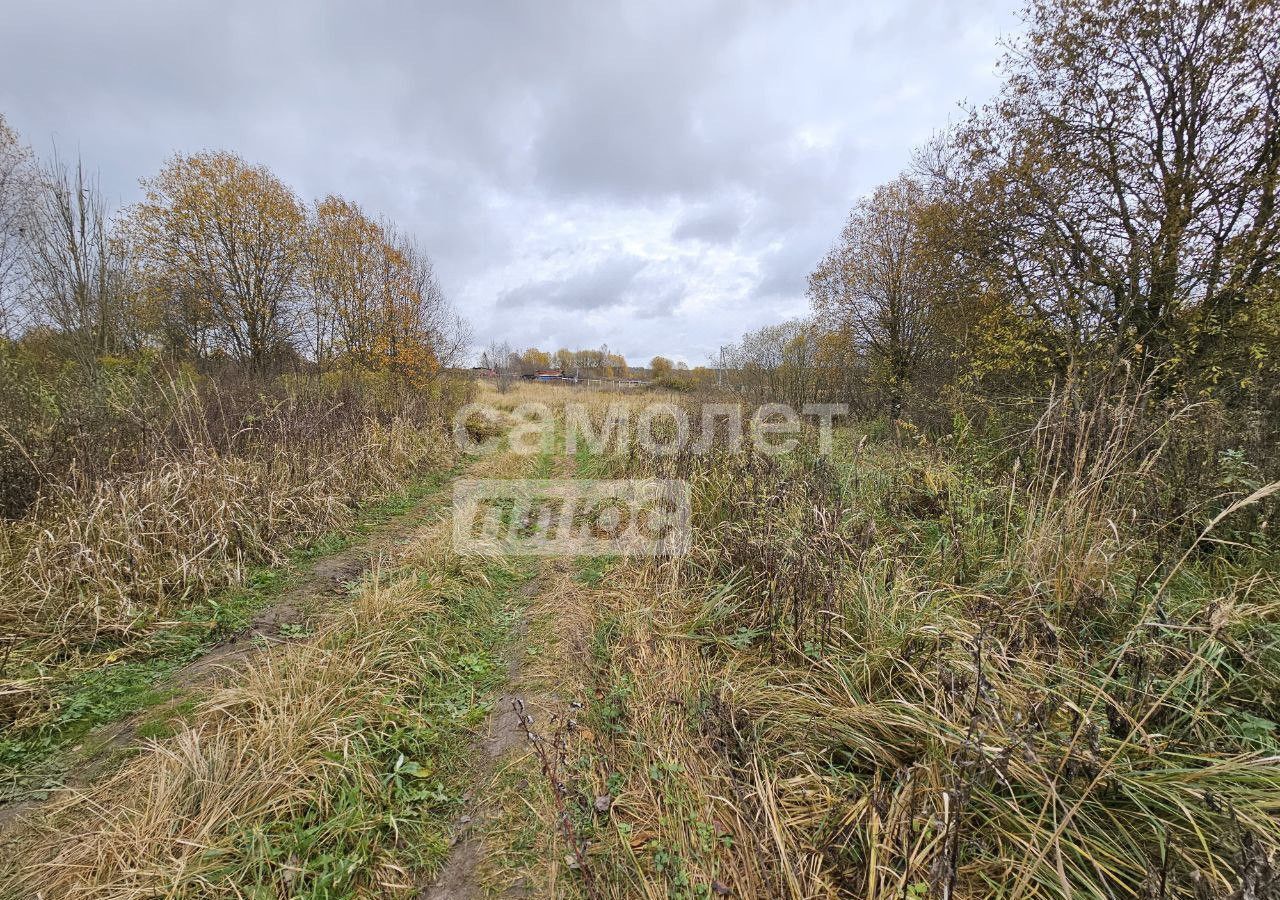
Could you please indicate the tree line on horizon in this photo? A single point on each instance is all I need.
(501, 358)
(592, 364)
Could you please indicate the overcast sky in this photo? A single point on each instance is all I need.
(659, 177)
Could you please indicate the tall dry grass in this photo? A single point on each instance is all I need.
(900, 674)
(124, 552)
(222, 481)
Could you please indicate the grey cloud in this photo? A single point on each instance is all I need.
(711, 223)
(603, 286)
(639, 125)
(784, 269)
(658, 305)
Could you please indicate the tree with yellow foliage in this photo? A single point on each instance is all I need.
(533, 360)
(374, 299)
(345, 250)
(411, 326)
(229, 236)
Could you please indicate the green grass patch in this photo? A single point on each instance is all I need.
(593, 569)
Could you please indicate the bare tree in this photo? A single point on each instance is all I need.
(444, 330)
(16, 188)
(74, 271)
(775, 363)
(499, 357)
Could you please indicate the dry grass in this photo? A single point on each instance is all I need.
(124, 553)
(331, 767)
(895, 673)
(688, 822)
(894, 676)
(101, 562)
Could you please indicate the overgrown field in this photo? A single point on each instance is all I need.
(332, 770)
(151, 510)
(334, 766)
(922, 668)
(1010, 662)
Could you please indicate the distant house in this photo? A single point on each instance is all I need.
(548, 375)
